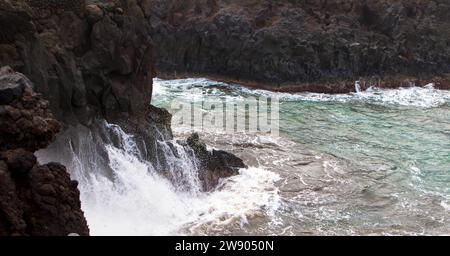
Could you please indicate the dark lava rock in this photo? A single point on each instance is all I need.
(34, 199)
(89, 61)
(11, 85)
(56, 208)
(19, 160)
(215, 164)
(26, 122)
(41, 202)
(301, 45)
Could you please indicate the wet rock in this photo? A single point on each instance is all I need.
(50, 6)
(215, 164)
(9, 92)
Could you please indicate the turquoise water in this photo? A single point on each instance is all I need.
(407, 139)
(393, 143)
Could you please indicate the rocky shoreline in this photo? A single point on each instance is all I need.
(85, 66)
(296, 46)
(69, 64)
(394, 82)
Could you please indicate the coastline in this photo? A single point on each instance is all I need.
(338, 87)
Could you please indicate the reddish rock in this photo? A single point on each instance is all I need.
(26, 121)
(34, 199)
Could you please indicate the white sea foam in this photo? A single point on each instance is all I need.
(413, 96)
(425, 97)
(139, 201)
(445, 205)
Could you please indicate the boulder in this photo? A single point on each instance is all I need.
(215, 164)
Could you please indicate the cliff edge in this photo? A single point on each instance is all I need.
(88, 61)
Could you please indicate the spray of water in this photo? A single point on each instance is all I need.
(135, 197)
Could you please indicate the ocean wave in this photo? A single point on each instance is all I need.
(423, 97)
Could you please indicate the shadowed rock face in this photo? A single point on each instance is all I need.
(95, 64)
(305, 44)
(89, 65)
(26, 121)
(34, 199)
(76, 6)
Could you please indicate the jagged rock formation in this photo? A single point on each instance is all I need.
(34, 199)
(216, 164)
(305, 45)
(92, 64)
(98, 65)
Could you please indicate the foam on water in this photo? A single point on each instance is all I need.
(384, 168)
(251, 193)
(138, 200)
(321, 195)
(424, 97)
(445, 205)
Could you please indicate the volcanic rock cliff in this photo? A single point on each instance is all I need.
(34, 199)
(95, 63)
(305, 45)
(91, 60)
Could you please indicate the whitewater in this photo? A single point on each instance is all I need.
(372, 162)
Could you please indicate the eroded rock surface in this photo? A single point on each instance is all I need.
(91, 60)
(216, 164)
(34, 199)
(305, 45)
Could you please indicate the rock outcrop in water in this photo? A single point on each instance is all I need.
(216, 164)
(34, 199)
(91, 60)
(305, 45)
